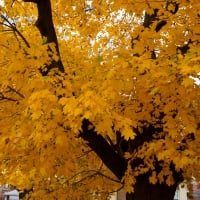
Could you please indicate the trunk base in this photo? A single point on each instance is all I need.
(143, 190)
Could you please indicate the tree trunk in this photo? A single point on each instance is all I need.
(143, 190)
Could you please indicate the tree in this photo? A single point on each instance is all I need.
(111, 102)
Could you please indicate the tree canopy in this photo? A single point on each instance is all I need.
(99, 95)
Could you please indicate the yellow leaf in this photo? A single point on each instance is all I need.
(43, 171)
(169, 180)
(153, 178)
(127, 132)
(188, 82)
(36, 115)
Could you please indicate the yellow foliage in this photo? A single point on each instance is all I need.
(121, 73)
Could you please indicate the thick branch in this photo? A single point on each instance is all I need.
(46, 27)
(104, 151)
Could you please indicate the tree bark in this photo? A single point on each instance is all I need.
(143, 190)
(104, 150)
(45, 25)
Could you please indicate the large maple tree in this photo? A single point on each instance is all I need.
(99, 95)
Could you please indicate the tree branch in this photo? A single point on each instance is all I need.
(92, 173)
(15, 91)
(106, 153)
(46, 27)
(2, 98)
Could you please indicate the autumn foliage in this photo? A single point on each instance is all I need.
(112, 102)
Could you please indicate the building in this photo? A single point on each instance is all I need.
(8, 193)
(11, 195)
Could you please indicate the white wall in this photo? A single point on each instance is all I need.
(114, 196)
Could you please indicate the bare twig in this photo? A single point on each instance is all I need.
(85, 153)
(91, 173)
(14, 29)
(2, 98)
(17, 92)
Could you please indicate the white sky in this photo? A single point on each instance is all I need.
(1, 3)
